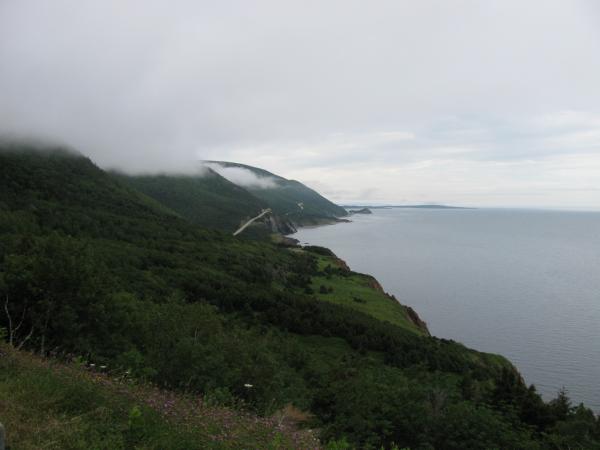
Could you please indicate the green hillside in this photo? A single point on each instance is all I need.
(94, 271)
(209, 200)
(286, 195)
(337, 284)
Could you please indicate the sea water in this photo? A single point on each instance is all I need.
(524, 284)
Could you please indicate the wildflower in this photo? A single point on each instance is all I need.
(248, 385)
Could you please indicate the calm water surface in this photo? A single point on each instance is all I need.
(525, 284)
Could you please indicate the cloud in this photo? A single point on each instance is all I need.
(393, 99)
(243, 177)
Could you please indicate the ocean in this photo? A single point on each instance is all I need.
(521, 283)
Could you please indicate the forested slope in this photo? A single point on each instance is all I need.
(94, 270)
(207, 199)
(289, 198)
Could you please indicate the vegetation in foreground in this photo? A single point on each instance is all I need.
(92, 269)
(51, 405)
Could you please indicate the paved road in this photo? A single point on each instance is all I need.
(243, 227)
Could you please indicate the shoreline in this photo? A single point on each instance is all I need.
(533, 370)
(411, 313)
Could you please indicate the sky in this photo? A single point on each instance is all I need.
(475, 103)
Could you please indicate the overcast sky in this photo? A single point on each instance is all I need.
(484, 103)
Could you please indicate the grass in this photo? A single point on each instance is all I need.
(360, 292)
(45, 404)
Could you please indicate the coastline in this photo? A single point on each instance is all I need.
(497, 312)
(410, 312)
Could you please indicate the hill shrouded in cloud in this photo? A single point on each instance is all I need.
(206, 199)
(392, 102)
(287, 198)
(225, 195)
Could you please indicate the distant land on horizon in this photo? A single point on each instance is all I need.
(425, 206)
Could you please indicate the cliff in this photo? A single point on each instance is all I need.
(335, 282)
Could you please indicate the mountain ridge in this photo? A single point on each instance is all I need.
(290, 198)
(211, 200)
